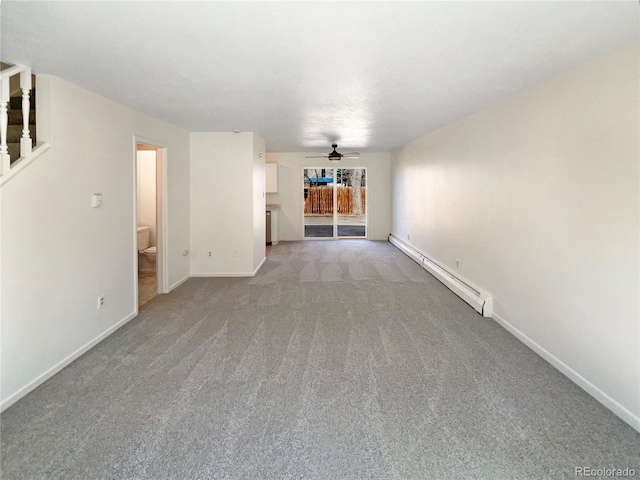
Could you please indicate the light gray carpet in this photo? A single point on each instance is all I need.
(340, 360)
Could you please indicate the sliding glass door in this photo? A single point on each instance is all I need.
(335, 203)
(318, 203)
(351, 212)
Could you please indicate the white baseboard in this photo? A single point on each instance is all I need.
(255, 272)
(223, 275)
(10, 400)
(233, 274)
(218, 275)
(622, 412)
(179, 282)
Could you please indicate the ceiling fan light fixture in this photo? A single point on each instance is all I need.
(336, 156)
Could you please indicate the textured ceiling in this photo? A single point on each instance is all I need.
(371, 76)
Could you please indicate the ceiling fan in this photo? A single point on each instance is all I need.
(336, 156)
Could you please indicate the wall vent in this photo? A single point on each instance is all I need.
(480, 301)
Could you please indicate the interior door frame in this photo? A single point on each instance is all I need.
(162, 270)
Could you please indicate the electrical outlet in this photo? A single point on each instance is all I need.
(457, 262)
(209, 253)
(100, 301)
(408, 237)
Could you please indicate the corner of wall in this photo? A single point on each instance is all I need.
(43, 109)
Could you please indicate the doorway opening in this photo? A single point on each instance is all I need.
(150, 231)
(335, 203)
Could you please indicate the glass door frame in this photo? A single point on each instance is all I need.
(335, 203)
(366, 210)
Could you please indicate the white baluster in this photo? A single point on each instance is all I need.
(5, 162)
(25, 85)
(25, 141)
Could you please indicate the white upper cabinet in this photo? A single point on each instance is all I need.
(271, 174)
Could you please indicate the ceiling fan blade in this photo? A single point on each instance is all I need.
(335, 156)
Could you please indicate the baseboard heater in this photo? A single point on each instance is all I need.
(481, 302)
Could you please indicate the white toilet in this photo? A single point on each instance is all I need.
(146, 253)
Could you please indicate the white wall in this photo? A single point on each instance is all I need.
(146, 192)
(538, 198)
(224, 171)
(58, 253)
(259, 202)
(290, 193)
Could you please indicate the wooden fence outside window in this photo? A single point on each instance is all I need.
(319, 200)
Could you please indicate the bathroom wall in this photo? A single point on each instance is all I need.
(146, 193)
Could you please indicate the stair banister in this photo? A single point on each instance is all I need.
(5, 94)
(5, 163)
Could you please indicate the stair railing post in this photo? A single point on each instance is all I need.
(5, 163)
(25, 86)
